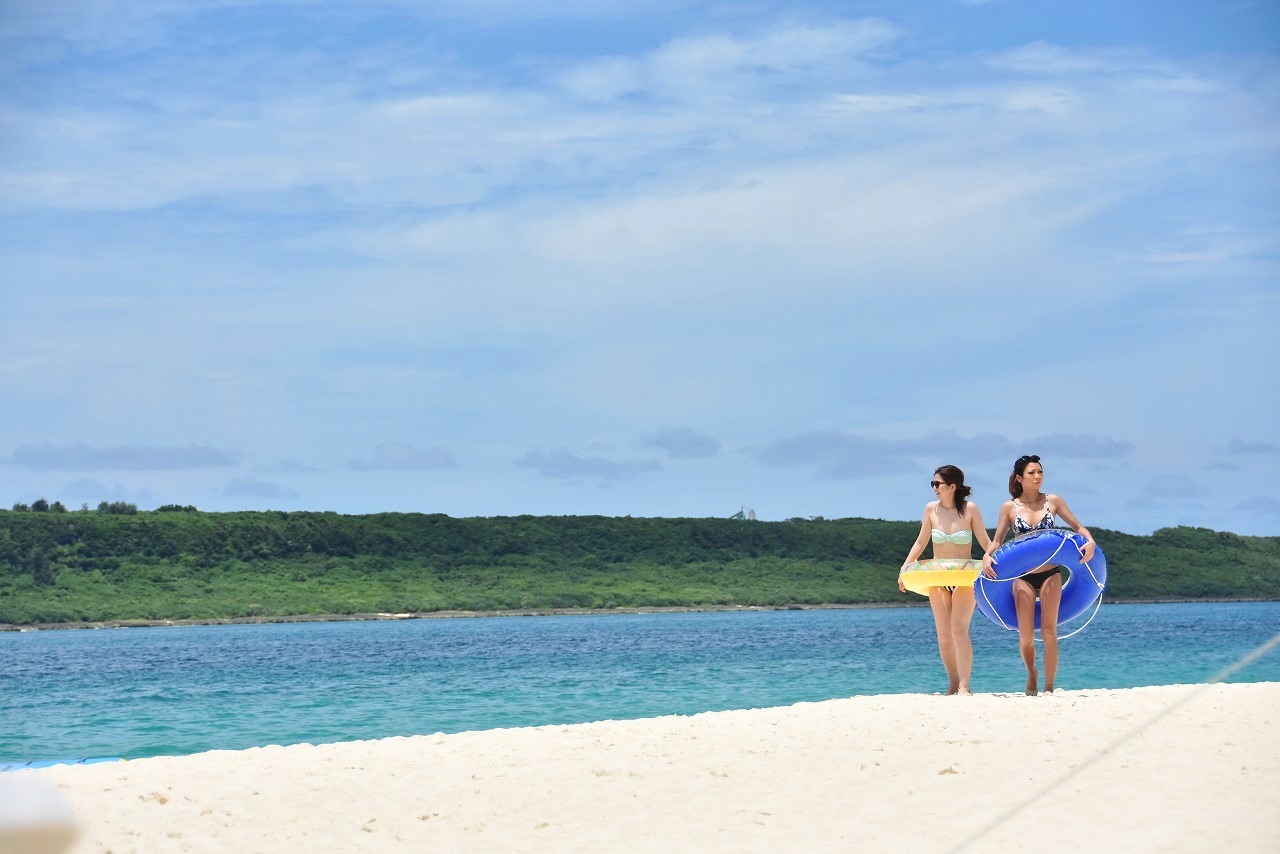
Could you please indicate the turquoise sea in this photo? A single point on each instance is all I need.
(153, 691)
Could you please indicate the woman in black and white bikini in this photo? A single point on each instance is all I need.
(1032, 510)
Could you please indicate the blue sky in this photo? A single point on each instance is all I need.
(659, 259)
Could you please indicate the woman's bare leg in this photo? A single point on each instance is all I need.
(1024, 602)
(940, 602)
(962, 605)
(1050, 599)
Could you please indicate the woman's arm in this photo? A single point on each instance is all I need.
(1065, 514)
(1003, 523)
(979, 529)
(918, 546)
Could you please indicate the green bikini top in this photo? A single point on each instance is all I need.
(959, 538)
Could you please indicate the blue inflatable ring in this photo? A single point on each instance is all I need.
(1034, 551)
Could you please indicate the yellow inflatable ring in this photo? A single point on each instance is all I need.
(920, 575)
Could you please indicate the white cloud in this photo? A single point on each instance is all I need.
(1005, 98)
(1175, 486)
(1264, 506)
(81, 457)
(1197, 247)
(564, 464)
(693, 68)
(1082, 446)
(402, 456)
(290, 467)
(1241, 447)
(759, 228)
(1051, 59)
(840, 454)
(681, 442)
(88, 491)
(251, 487)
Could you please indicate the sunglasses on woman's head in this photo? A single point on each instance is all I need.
(1029, 458)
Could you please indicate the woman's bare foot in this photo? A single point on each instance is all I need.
(1032, 678)
(964, 691)
(951, 689)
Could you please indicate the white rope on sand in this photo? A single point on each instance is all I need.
(1222, 675)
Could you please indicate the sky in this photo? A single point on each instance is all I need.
(662, 258)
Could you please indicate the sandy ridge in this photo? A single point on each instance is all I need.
(880, 773)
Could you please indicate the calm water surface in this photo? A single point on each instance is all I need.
(153, 691)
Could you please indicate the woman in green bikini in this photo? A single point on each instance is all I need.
(951, 523)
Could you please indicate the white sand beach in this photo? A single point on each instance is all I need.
(883, 773)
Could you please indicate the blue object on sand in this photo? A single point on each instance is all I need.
(49, 763)
(1035, 551)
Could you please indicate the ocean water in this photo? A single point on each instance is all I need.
(154, 691)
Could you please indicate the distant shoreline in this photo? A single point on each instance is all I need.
(104, 570)
(526, 612)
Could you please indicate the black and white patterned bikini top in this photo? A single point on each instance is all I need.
(1020, 525)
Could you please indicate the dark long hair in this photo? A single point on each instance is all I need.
(1019, 466)
(953, 475)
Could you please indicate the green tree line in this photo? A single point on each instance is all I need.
(96, 566)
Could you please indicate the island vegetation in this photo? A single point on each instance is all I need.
(177, 563)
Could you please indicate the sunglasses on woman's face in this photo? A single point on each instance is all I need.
(936, 483)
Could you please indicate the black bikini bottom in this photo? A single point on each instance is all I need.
(1037, 579)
